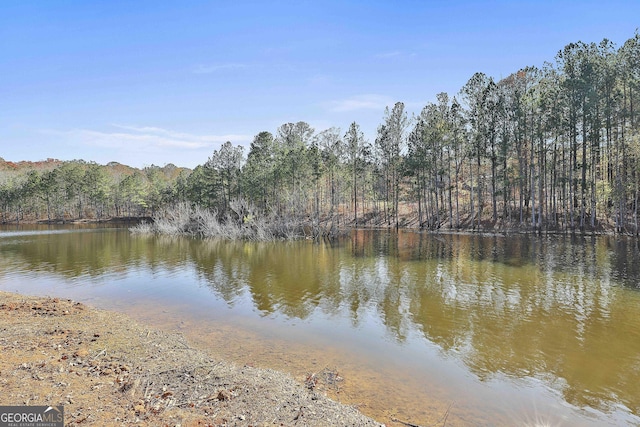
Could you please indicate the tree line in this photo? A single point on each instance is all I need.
(53, 190)
(555, 147)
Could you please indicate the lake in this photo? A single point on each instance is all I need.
(480, 330)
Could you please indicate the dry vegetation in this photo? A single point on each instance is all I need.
(243, 222)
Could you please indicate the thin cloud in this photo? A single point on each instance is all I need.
(143, 138)
(393, 54)
(208, 69)
(182, 136)
(320, 79)
(396, 54)
(360, 102)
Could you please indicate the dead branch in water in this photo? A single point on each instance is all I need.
(444, 419)
(327, 377)
(395, 420)
(311, 381)
(446, 414)
(242, 222)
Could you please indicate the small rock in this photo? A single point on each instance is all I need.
(224, 395)
(81, 353)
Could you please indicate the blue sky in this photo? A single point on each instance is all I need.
(157, 82)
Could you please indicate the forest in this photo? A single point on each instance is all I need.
(550, 148)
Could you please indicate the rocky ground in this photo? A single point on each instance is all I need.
(107, 370)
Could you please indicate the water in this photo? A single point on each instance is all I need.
(482, 330)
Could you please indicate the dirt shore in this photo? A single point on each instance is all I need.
(108, 370)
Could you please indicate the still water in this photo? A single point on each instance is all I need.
(482, 330)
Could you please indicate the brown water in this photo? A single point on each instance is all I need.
(483, 330)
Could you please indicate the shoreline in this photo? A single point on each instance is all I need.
(107, 369)
(484, 231)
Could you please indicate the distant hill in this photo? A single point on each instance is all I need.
(47, 164)
(170, 170)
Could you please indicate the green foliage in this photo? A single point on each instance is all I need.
(553, 147)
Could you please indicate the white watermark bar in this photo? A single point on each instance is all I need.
(31, 416)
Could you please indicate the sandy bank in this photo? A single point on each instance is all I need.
(108, 370)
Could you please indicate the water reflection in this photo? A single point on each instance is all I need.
(561, 309)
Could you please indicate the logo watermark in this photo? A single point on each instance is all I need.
(31, 416)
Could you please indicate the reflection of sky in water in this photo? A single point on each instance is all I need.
(5, 234)
(469, 319)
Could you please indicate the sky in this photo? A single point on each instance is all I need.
(158, 82)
